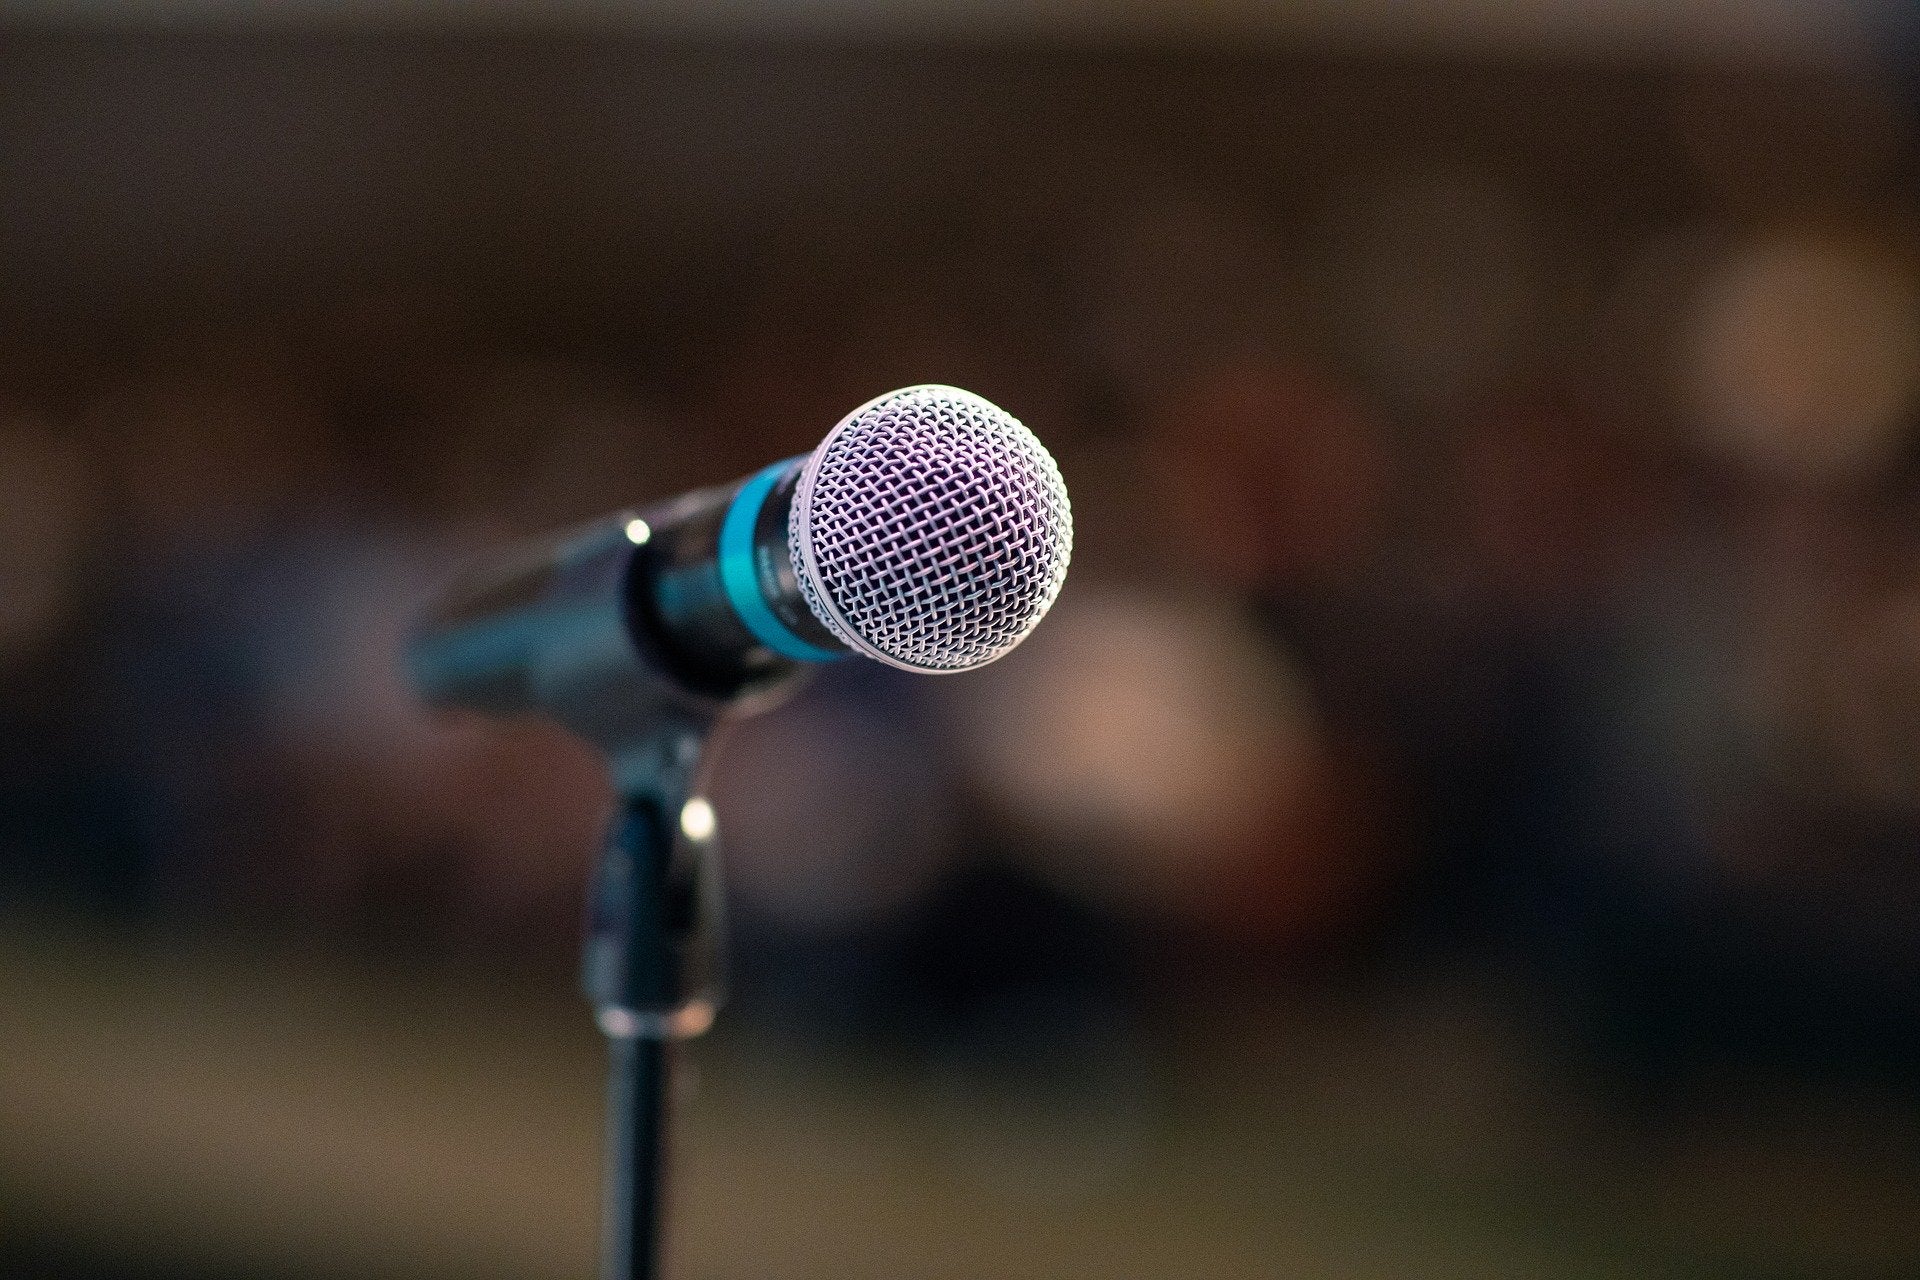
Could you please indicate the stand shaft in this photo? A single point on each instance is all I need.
(648, 969)
(636, 1148)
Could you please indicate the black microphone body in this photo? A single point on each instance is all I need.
(631, 617)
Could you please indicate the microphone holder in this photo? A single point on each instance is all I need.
(650, 968)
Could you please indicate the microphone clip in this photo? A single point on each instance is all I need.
(653, 953)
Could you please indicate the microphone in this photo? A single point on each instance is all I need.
(930, 530)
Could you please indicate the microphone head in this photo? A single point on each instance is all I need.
(930, 530)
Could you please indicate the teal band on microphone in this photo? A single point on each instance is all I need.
(741, 581)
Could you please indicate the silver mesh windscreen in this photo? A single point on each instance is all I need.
(931, 530)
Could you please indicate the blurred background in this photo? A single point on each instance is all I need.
(1460, 819)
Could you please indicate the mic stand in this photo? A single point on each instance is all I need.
(649, 966)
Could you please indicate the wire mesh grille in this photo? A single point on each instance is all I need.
(931, 530)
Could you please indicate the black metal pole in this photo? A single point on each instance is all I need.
(637, 1090)
(650, 969)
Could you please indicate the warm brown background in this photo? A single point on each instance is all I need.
(1460, 820)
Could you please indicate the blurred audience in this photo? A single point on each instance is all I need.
(1462, 573)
